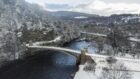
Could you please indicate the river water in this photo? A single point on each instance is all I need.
(45, 65)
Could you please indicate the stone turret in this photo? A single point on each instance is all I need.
(86, 60)
(83, 58)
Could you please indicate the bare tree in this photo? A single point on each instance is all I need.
(11, 43)
(118, 39)
(116, 71)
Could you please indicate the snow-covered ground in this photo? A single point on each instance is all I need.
(134, 66)
(80, 17)
(96, 34)
(57, 39)
(45, 42)
(81, 74)
(134, 39)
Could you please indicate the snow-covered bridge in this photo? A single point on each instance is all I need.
(76, 53)
(131, 38)
(95, 34)
(100, 60)
(64, 50)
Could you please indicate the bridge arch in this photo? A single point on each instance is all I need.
(63, 50)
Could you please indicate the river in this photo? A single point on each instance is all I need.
(45, 65)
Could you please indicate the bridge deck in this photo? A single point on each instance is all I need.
(95, 34)
(74, 52)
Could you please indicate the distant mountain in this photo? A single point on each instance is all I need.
(68, 15)
(96, 19)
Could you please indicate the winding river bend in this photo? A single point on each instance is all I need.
(45, 65)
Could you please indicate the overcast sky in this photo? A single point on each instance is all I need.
(101, 7)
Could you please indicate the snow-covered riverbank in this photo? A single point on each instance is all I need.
(82, 74)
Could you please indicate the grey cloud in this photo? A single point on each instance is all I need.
(101, 7)
(122, 1)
